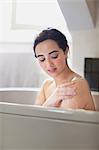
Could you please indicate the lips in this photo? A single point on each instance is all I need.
(52, 70)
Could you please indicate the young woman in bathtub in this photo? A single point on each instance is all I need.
(67, 89)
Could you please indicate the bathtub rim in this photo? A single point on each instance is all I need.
(23, 89)
(82, 116)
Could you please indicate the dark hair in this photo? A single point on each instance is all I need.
(52, 34)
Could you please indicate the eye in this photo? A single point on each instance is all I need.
(54, 55)
(41, 59)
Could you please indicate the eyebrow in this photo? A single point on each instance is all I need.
(53, 52)
(39, 56)
(48, 53)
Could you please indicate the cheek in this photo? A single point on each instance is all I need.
(60, 61)
(57, 62)
(42, 65)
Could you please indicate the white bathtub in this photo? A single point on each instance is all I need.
(28, 127)
(28, 96)
(18, 95)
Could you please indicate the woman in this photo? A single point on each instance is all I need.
(67, 89)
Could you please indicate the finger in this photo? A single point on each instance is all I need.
(66, 84)
(70, 93)
(66, 97)
(57, 103)
(72, 82)
(67, 91)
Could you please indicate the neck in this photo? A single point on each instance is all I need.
(65, 75)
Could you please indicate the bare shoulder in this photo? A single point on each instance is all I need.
(81, 83)
(83, 96)
(82, 86)
(47, 83)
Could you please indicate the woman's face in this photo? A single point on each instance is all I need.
(51, 57)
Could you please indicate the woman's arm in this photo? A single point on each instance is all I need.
(52, 97)
(64, 91)
(42, 95)
(40, 98)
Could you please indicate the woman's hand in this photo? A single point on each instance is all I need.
(62, 92)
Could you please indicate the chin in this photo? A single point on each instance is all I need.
(53, 75)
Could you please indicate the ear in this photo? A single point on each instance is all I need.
(66, 52)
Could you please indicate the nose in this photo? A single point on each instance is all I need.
(49, 63)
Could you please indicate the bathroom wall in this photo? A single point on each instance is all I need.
(19, 67)
(85, 44)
